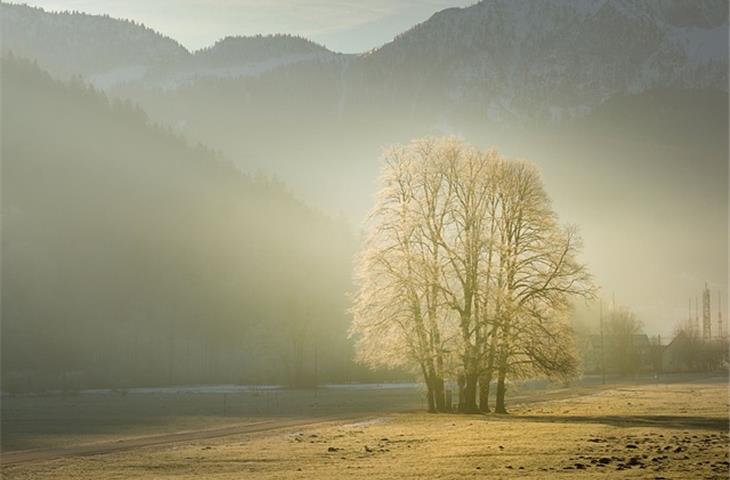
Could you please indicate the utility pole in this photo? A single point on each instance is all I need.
(316, 370)
(603, 351)
(697, 316)
(658, 356)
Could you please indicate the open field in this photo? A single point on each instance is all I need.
(677, 430)
(95, 416)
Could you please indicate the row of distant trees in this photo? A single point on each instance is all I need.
(621, 347)
(691, 352)
(466, 274)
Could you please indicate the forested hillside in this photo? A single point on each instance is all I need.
(130, 257)
(96, 46)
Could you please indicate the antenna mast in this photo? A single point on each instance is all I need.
(720, 332)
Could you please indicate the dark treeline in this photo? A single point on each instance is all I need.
(132, 258)
(124, 44)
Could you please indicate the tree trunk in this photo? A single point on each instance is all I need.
(439, 394)
(469, 403)
(502, 374)
(429, 398)
(484, 382)
(461, 381)
(428, 379)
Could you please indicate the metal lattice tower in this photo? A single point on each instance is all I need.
(720, 332)
(706, 320)
(696, 326)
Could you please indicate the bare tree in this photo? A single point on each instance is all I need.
(455, 190)
(623, 331)
(540, 269)
(465, 265)
(397, 321)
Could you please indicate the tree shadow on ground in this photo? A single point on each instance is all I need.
(656, 421)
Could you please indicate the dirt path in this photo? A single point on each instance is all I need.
(270, 425)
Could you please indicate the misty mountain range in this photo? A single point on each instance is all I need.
(496, 59)
(622, 104)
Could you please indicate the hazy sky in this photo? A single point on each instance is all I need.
(341, 25)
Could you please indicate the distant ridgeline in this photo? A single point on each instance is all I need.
(497, 60)
(488, 71)
(131, 258)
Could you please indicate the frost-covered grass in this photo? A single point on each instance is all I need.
(640, 431)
